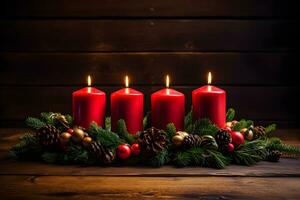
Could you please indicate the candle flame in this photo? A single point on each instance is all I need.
(89, 80)
(126, 81)
(167, 81)
(209, 78)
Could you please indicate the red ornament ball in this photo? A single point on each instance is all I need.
(135, 149)
(70, 130)
(123, 151)
(228, 129)
(230, 147)
(237, 138)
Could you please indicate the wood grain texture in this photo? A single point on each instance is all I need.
(269, 103)
(148, 8)
(45, 69)
(93, 187)
(147, 35)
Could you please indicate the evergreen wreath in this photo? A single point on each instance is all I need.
(98, 145)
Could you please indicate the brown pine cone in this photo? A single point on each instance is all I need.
(258, 132)
(152, 141)
(274, 156)
(191, 140)
(105, 155)
(223, 138)
(48, 135)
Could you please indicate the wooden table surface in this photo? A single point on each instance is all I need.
(34, 180)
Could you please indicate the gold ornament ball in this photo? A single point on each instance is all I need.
(234, 122)
(182, 134)
(78, 135)
(243, 131)
(64, 138)
(177, 140)
(86, 141)
(249, 135)
(229, 124)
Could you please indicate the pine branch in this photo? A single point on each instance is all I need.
(242, 124)
(170, 130)
(28, 147)
(230, 115)
(123, 133)
(188, 119)
(204, 127)
(270, 129)
(201, 157)
(49, 157)
(147, 121)
(108, 123)
(70, 120)
(46, 117)
(107, 138)
(159, 160)
(34, 123)
(250, 153)
(276, 144)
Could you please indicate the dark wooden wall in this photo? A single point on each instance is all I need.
(47, 48)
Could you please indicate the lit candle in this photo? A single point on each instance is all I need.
(127, 104)
(167, 106)
(88, 106)
(210, 102)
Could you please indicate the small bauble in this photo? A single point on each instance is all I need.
(237, 138)
(249, 135)
(70, 130)
(78, 135)
(177, 140)
(135, 149)
(228, 129)
(64, 138)
(234, 122)
(209, 142)
(182, 134)
(123, 151)
(86, 142)
(243, 131)
(230, 147)
(229, 124)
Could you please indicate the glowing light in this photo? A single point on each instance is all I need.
(126, 81)
(209, 78)
(89, 80)
(167, 81)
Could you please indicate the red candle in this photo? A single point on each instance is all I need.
(210, 102)
(167, 106)
(127, 104)
(88, 106)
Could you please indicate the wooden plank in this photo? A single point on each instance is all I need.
(91, 187)
(148, 68)
(148, 8)
(257, 103)
(147, 35)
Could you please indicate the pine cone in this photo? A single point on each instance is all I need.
(152, 141)
(274, 156)
(192, 140)
(105, 155)
(48, 135)
(223, 138)
(259, 131)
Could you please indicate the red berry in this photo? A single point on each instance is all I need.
(135, 149)
(123, 151)
(237, 138)
(230, 147)
(70, 130)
